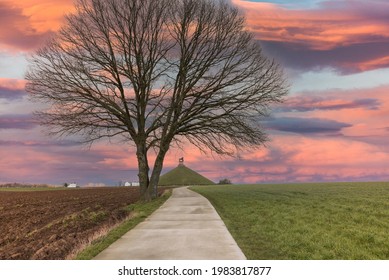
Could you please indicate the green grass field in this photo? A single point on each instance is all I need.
(306, 221)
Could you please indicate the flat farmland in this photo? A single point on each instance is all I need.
(53, 224)
(337, 221)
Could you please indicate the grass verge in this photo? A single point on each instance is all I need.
(139, 212)
(306, 221)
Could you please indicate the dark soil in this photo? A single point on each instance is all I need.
(50, 224)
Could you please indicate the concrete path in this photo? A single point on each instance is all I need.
(185, 227)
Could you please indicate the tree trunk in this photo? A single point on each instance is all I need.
(143, 175)
(153, 184)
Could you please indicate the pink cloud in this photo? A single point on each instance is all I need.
(305, 159)
(29, 23)
(12, 89)
(287, 158)
(332, 24)
(55, 163)
(366, 121)
(366, 65)
(350, 36)
(313, 102)
(19, 32)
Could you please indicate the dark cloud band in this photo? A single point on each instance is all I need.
(349, 59)
(17, 122)
(305, 125)
(11, 94)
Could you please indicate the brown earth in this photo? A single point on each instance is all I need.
(51, 224)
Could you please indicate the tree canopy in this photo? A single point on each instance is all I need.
(156, 73)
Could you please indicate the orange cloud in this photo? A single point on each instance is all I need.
(332, 158)
(370, 64)
(58, 162)
(321, 29)
(29, 23)
(12, 83)
(332, 152)
(45, 15)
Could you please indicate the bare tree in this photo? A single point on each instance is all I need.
(156, 73)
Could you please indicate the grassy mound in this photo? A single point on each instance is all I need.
(183, 176)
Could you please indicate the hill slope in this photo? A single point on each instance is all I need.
(183, 176)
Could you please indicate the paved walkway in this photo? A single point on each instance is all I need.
(185, 227)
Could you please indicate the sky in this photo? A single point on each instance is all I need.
(333, 126)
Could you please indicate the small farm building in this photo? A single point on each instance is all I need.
(131, 184)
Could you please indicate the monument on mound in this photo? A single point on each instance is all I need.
(183, 176)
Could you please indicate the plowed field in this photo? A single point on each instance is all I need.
(51, 224)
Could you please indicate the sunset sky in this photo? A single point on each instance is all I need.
(334, 125)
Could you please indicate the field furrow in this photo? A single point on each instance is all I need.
(50, 224)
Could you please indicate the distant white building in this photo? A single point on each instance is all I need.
(73, 185)
(131, 184)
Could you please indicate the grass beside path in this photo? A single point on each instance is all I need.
(306, 221)
(140, 212)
